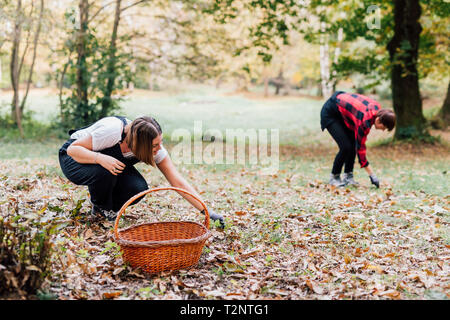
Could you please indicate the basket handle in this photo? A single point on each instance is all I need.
(141, 194)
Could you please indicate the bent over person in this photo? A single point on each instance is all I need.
(348, 117)
(102, 156)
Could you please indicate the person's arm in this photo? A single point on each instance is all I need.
(373, 178)
(360, 144)
(81, 151)
(361, 137)
(175, 179)
(368, 170)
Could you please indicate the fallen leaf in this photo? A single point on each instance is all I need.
(347, 259)
(33, 268)
(376, 255)
(358, 252)
(118, 270)
(71, 259)
(378, 269)
(349, 235)
(394, 294)
(111, 295)
(314, 287)
(88, 234)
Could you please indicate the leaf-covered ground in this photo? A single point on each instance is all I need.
(288, 236)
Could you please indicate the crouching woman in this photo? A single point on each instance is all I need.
(102, 156)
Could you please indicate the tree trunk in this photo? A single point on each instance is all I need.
(325, 63)
(36, 38)
(14, 68)
(111, 66)
(60, 89)
(445, 110)
(337, 53)
(442, 119)
(279, 81)
(82, 72)
(266, 86)
(219, 81)
(403, 51)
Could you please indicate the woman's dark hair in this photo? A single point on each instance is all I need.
(387, 118)
(140, 138)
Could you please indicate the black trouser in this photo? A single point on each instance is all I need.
(345, 139)
(331, 119)
(107, 191)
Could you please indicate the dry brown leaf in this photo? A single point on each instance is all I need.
(428, 272)
(234, 294)
(88, 234)
(314, 287)
(241, 213)
(376, 255)
(358, 252)
(71, 259)
(347, 259)
(378, 269)
(349, 235)
(111, 295)
(33, 268)
(118, 270)
(394, 294)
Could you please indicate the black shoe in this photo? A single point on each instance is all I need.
(335, 180)
(348, 179)
(108, 214)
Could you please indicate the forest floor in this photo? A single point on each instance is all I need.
(288, 235)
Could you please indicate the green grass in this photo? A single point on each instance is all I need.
(295, 117)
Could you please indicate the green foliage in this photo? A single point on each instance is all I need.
(412, 134)
(271, 30)
(25, 253)
(87, 77)
(33, 129)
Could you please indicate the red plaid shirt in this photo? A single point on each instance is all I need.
(359, 113)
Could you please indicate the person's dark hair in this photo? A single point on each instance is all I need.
(140, 138)
(387, 118)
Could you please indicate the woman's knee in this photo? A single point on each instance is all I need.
(139, 186)
(96, 174)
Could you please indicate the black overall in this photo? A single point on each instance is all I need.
(109, 192)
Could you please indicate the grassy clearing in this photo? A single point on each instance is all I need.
(288, 235)
(296, 118)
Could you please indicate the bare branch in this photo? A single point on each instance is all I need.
(132, 5)
(36, 38)
(100, 10)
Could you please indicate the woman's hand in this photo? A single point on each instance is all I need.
(110, 163)
(373, 178)
(214, 216)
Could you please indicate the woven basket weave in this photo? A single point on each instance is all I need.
(162, 246)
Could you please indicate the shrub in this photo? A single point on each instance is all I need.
(25, 251)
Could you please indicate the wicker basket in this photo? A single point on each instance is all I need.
(162, 246)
